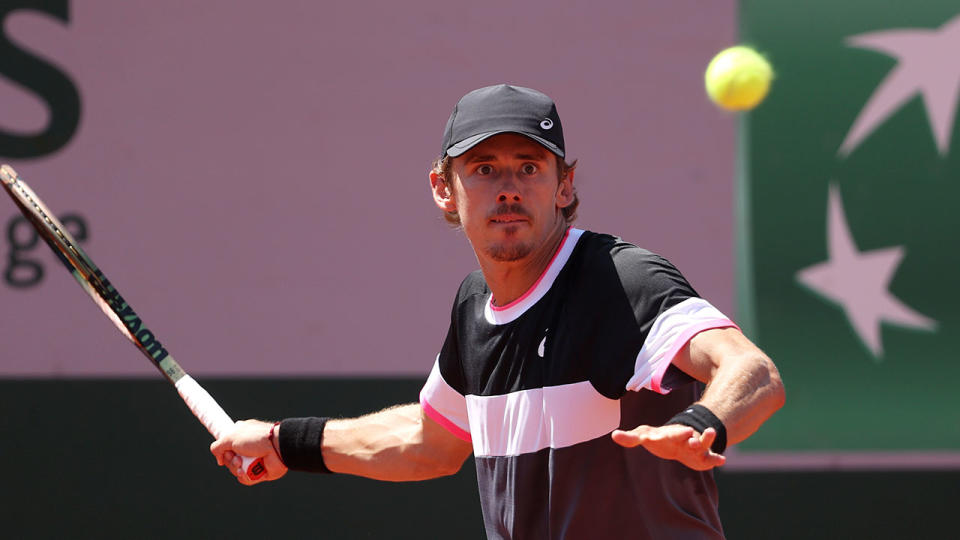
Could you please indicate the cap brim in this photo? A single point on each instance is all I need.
(470, 142)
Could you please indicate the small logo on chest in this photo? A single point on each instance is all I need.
(543, 343)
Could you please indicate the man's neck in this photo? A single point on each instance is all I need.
(510, 280)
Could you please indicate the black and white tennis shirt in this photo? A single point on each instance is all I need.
(538, 385)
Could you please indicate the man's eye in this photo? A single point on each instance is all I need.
(484, 170)
(529, 168)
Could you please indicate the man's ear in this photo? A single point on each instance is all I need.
(565, 192)
(442, 192)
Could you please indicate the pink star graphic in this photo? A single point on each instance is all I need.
(859, 281)
(928, 63)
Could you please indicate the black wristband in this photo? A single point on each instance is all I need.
(700, 418)
(300, 440)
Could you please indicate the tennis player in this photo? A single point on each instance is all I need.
(573, 367)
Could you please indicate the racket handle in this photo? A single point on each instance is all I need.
(253, 467)
(214, 418)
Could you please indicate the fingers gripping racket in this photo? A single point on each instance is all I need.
(201, 403)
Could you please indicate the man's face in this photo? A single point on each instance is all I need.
(508, 197)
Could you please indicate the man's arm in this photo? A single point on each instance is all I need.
(743, 385)
(743, 390)
(397, 444)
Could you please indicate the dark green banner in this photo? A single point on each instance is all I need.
(128, 460)
(849, 187)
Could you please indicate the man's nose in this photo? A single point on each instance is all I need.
(509, 189)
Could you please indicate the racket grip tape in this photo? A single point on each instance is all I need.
(214, 418)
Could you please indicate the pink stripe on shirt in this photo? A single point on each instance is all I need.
(442, 420)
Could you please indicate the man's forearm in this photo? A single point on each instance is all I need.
(395, 444)
(745, 391)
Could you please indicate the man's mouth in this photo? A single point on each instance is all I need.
(509, 214)
(508, 218)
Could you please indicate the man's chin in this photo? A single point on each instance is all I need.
(509, 252)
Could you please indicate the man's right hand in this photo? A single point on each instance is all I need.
(674, 441)
(249, 438)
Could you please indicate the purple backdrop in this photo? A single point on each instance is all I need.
(254, 174)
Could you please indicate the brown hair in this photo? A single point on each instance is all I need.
(444, 168)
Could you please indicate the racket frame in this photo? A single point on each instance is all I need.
(119, 311)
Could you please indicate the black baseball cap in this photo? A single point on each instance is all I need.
(503, 108)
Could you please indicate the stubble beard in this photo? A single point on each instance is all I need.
(502, 252)
(510, 249)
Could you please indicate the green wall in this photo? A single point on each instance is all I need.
(881, 351)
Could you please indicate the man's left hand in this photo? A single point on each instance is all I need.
(674, 441)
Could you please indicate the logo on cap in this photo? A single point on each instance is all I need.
(547, 123)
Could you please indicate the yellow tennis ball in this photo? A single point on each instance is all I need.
(738, 78)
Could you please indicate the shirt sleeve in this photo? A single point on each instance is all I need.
(443, 397)
(668, 314)
(444, 405)
(671, 330)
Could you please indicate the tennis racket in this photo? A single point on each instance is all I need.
(116, 308)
